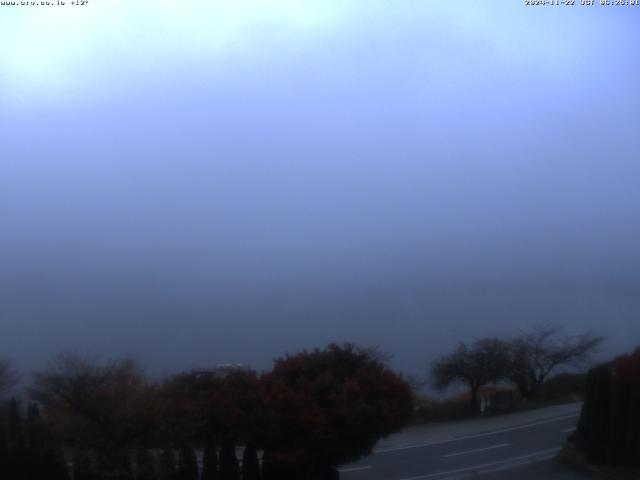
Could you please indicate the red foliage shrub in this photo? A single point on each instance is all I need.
(628, 366)
(328, 407)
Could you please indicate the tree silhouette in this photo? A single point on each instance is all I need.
(17, 443)
(229, 468)
(45, 460)
(8, 376)
(250, 463)
(83, 465)
(205, 406)
(167, 464)
(329, 407)
(210, 459)
(484, 361)
(187, 463)
(609, 426)
(4, 455)
(105, 408)
(145, 465)
(535, 354)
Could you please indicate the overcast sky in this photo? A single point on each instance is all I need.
(193, 182)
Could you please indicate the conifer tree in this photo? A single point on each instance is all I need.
(229, 468)
(117, 465)
(167, 464)
(35, 442)
(250, 464)
(4, 454)
(16, 442)
(145, 466)
(210, 460)
(45, 457)
(83, 467)
(187, 463)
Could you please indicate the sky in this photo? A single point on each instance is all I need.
(195, 182)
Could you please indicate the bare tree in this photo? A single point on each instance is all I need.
(105, 407)
(417, 382)
(9, 377)
(377, 353)
(484, 361)
(537, 353)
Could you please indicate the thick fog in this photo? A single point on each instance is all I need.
(199, 183)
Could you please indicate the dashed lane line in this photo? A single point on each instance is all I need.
(512, 462)
(492, 447)
(478, 435)
(355, 469)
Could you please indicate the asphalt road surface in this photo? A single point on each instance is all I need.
(522, 451)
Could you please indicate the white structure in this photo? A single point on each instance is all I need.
(221, 370)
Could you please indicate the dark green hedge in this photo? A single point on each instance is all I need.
(609, 426)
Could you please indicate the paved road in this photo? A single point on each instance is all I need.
(518, 451)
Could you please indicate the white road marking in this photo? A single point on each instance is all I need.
(457, 454)
(355, 469)
(567, 430)
(510, 466)
(515, 460)
(479, 435)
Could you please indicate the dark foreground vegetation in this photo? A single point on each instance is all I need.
(81, 419)
(609, 428)
(86, 420)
